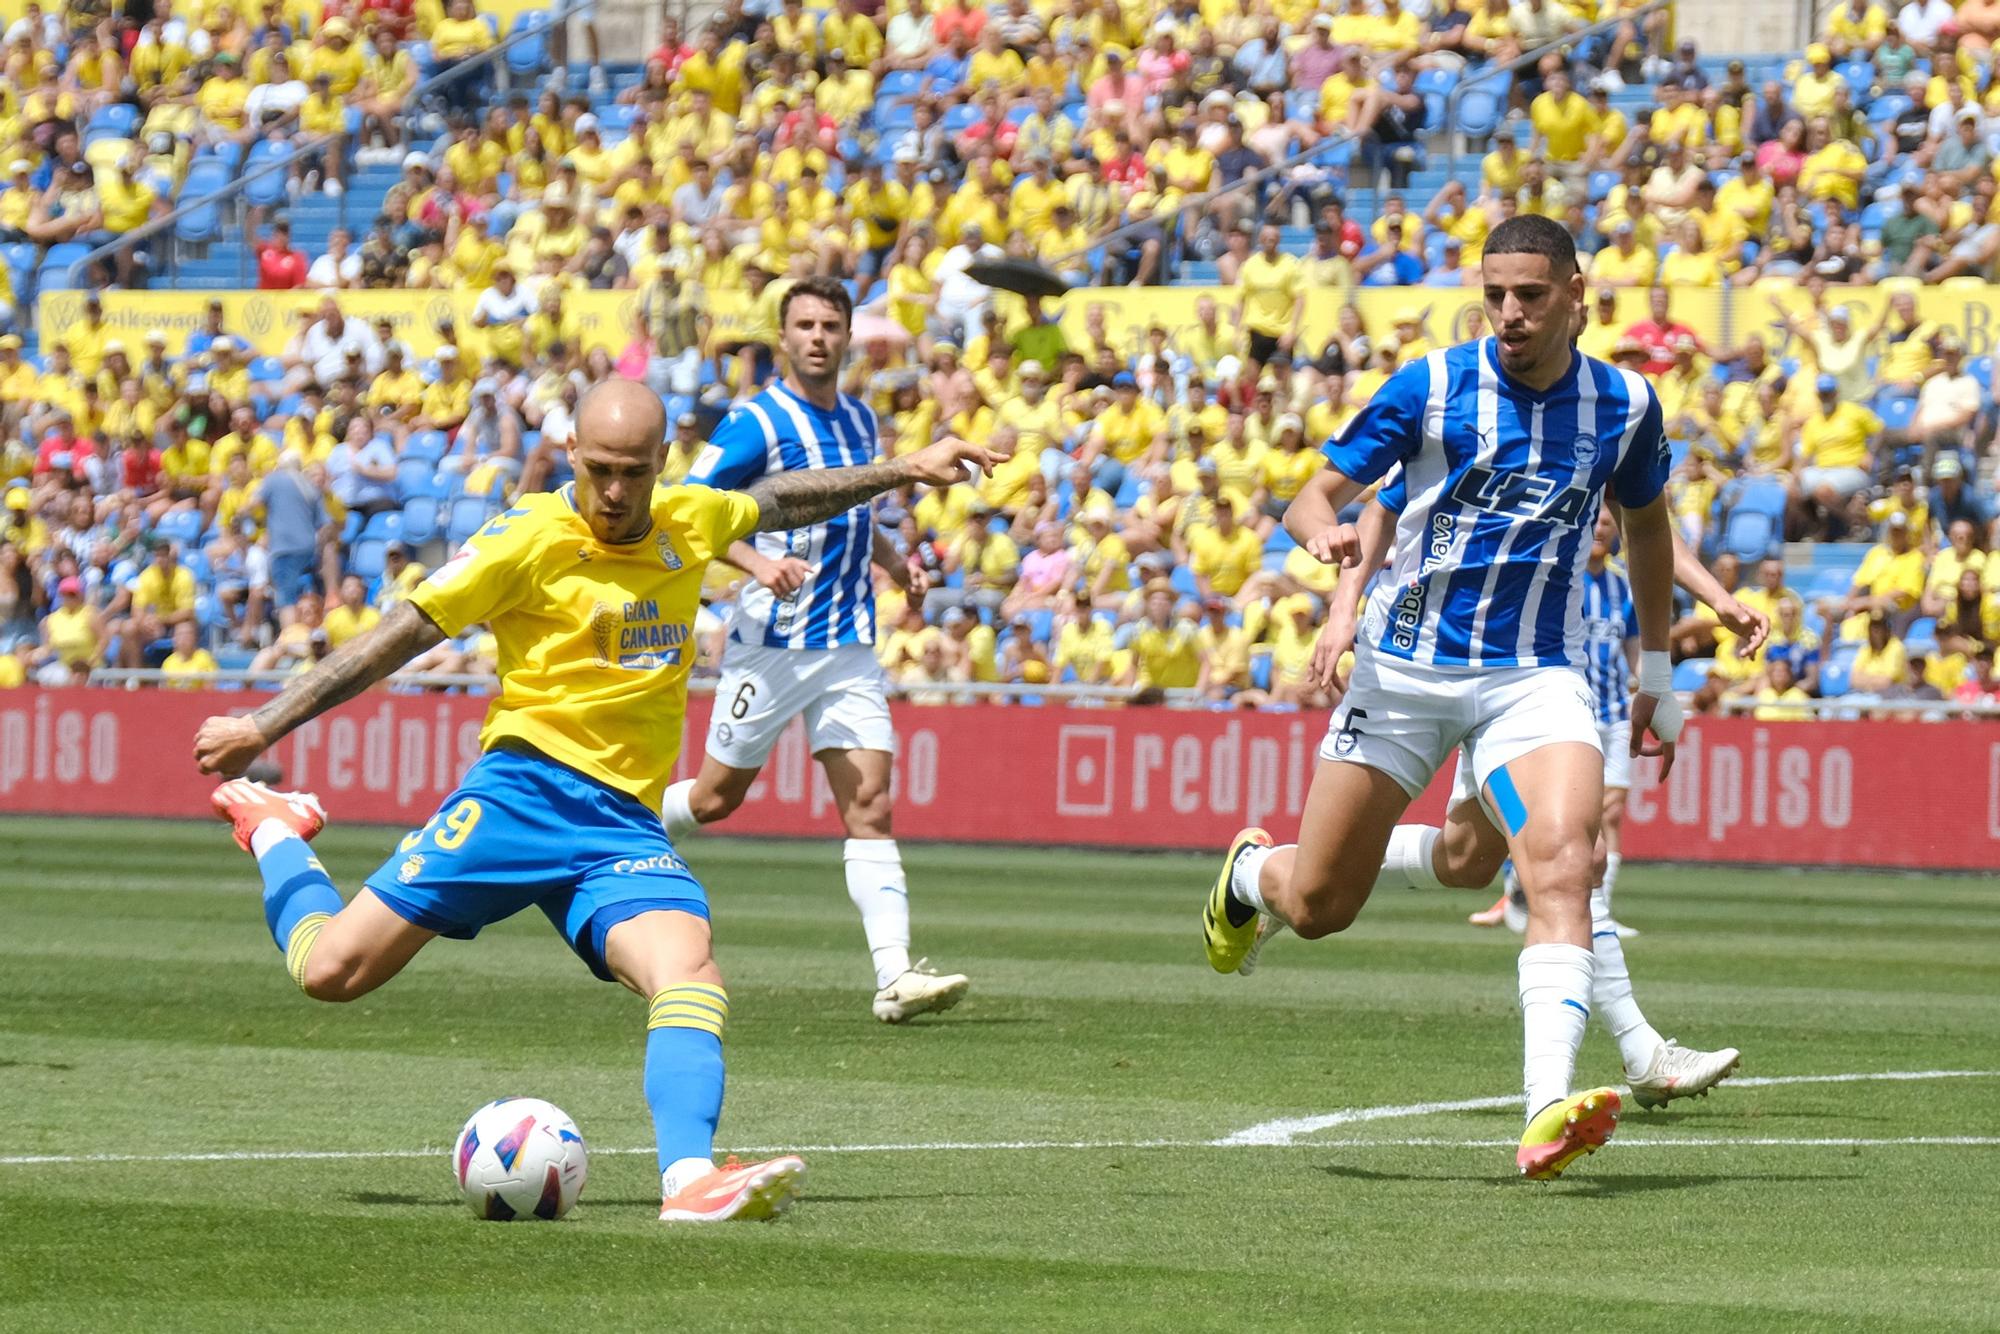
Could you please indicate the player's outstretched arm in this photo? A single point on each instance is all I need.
(1649, 551)
(227, 745)
(794, 499)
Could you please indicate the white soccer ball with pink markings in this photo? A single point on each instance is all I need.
(519, 1158)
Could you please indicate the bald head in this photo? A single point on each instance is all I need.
(621, 431)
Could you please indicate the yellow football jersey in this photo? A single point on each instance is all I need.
(595, 640)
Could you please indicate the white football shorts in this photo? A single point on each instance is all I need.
(842, 693)
(1616, 738)
(1406, 718)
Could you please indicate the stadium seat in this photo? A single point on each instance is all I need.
(1896, 411)
(181, 526)
(1479, 110)
(1921, 637)
(383, 525)
(263, 370)
(1692, 673)
(420, 519)
(427, 445)
(467, 514)
(416, 477)
(269, 188)
(119, 118)
(529, 55)
(898, 83)
(1749, 534)
(1183, 582)
(366, 557)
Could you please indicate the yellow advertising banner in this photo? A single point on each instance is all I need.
(269, 320)
(1724, 317)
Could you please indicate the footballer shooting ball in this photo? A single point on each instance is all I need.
(519, 1158)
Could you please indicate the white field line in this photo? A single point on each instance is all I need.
(1286, 1129)
(1268, 1135)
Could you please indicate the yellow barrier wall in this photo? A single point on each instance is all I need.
(1723, 316)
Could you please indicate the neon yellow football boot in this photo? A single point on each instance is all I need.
(1565, 1131)
(1227, 940)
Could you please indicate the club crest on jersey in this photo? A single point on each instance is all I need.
(1584, 451)
(412, 867)
(668, 555)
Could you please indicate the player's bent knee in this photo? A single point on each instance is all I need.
(328, 977)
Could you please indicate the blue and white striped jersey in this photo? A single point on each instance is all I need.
(778, 431)
(1608, 628)
(1496, 487)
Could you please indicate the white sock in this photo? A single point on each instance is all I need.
(675, 811)
(1611, 993)
(1555, 993)
(875, 883)
(1612, 861)
(268, 834)
(1245, 878)
(1408, 860)
(683, 1173)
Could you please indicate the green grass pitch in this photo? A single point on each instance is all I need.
(144, 1012)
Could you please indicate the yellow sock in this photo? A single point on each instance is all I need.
(695, 1005)
(304, 936)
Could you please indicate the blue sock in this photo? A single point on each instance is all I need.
(684, 1069)
(296, 887)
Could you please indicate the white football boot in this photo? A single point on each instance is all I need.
(1680, 1072)
(920, 990)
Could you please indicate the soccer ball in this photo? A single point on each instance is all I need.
(519, 1158)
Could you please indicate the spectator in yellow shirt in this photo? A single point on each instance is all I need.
(1882, 664)
(1563, 121)
(1624, 263)
(1890, 581)
(1223, 553)
(162, 597)
(1225, 653)
(1166, 654)
(461, 35)
(1836, 447)
(1271, 298)
(189, 666)
(353, 616)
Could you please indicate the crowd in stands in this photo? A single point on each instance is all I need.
(219, 507)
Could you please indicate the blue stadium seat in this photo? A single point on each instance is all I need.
(416, 477)
(1749, 534)
(366, 557)
(899, 83)
(1183, 581)
(467, 514)
(420, 519)
(959, 118)
(266, 369)
(529, 55)
(1601, 185)
(119, 119)
(182, 526)
(1479, 110)
(1692, 673)
(1765, 495)
(268, 189)
(1896, 412)
(384, 525)
(427, 445)
(1921, 637)
(1981, 370)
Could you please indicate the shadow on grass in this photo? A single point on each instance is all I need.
(1626, 1184)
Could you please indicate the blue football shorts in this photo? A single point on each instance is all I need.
(524, 830)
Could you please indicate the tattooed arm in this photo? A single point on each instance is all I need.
(795, 499)
(227, 745)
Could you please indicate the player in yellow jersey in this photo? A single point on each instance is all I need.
(591, 593)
